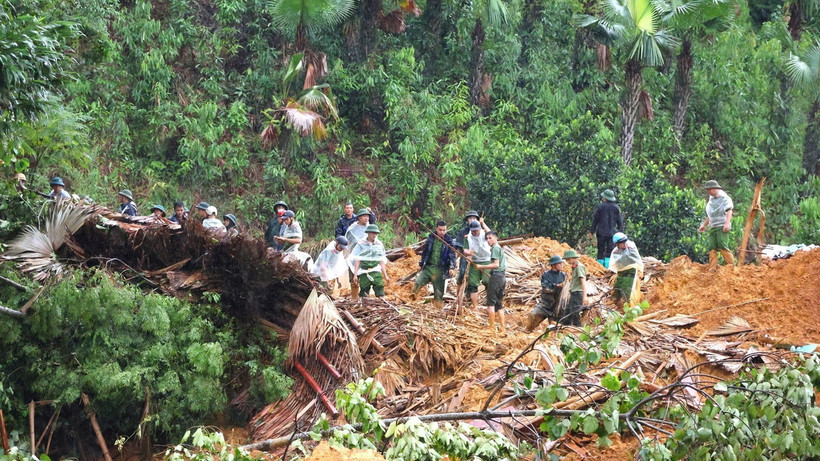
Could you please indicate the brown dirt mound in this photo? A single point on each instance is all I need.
(324, 452)
(791, 285)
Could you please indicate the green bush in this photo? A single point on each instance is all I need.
(92, 334)
(806, 222)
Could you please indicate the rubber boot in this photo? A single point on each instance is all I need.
(533, 321)
(728, 257)
(713, 259)
(601, 262)
(606, 263)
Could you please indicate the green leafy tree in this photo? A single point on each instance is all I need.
(804, 71)
(34, 62)
(634, 29)
(691, 19)
(495, 13)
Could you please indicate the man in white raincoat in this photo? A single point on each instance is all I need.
(291, 233)
(330, 264)
(626, 262)
(369, 263)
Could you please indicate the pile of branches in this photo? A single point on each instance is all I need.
(253, 282)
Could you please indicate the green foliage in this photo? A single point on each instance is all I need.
(762, 415)
(205, 445)
(91, 334)
(659, 216)
(550, 188)
(412, 440)
(806, 222)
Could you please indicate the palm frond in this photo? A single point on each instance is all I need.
(804, 70)
(646, 50)
(287, 15)
(316, 100)
(335, 11)
(497, 14)
(304, 121)
(294, 67)
(617, 11)
(644, 15)
(34, 249)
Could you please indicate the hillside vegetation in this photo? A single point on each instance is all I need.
(525, 110)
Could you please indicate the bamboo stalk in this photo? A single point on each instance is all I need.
(313, 384)
(13, 283)
(32, 300)
(750, 220)
(11, 312)
(4, 435)
(93, 418)
(729, 307)
(31, 427)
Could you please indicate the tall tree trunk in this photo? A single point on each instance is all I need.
(796, 19)
(629, 115)
(683, 87)
(301, 38)
(532, 14)
(371, 13)
(477, 61)
(432, 17)
(811, 144)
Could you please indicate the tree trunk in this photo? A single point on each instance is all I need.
(301, 38)
(477, 61)
(532, 14)
(811, 144)
(432, 17)
(683, 87)
(371, 13)
(796, 19)
(629, 116)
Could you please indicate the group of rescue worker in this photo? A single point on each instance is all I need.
(358, 257)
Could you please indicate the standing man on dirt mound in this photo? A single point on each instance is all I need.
(437, 260)
(626, 262)
(478, 250)
(605, 222)
(370, 263)
(496, 282)
(460, 242)
(719, 221)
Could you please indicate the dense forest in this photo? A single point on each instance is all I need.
(524, 110)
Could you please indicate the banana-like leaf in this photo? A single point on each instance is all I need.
(294, 67)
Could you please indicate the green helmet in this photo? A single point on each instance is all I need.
(711, 184)
(372, 229)
(362, 212)
(570, 254)
(126, 193)
(608, 195)
(555, 260)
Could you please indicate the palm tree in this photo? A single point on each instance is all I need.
(690, 18)
(634, 28)
(798, 11)
(804, 71)
(496, 14)
(302, 17)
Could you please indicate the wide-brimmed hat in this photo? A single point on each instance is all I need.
(126, 193)
(231, 217)
(570, 254)
(280, 203)
(160, 208)
(203, 206)
(555, 260)
(471, 213)
(608, 195)
(57, 181)
(211, 210)
(362, 212)
(475, 225)
(372, 229)
(342, 241)
(711, 184)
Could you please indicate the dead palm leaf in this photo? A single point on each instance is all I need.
(35, 250)
(645, 106)
(304, 121)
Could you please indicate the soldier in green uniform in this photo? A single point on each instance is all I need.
(370, 263)
(496, 282)
(437, 261)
